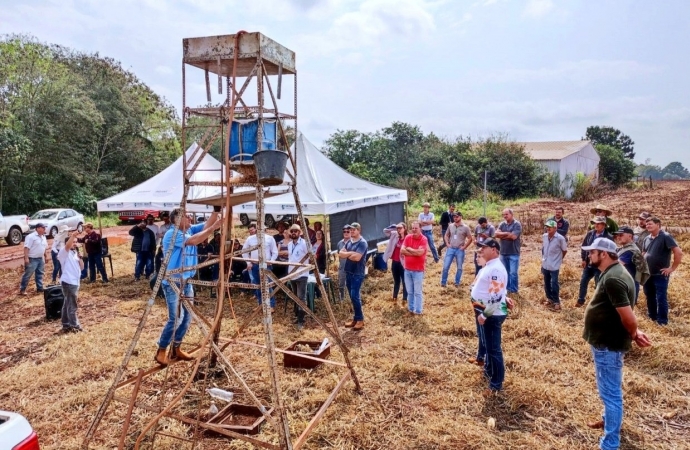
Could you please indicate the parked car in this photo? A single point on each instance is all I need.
(16, 433)
(137, 215)
(54, 218)
(269, 219)
(13, 228)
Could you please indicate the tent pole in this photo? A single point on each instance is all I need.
(327, 241)
(100, 227)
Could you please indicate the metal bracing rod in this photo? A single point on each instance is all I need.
(284, 427)
(226, 364)
(324, 294)
(135, 340)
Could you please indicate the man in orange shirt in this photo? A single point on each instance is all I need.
(414, 248)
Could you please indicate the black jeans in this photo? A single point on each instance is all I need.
(588, 273)
(398, 278)
(299, 288)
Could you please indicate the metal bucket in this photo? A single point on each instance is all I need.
(270, 166)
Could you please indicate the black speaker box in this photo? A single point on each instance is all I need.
(53, 299)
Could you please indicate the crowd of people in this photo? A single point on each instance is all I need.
(619, 259)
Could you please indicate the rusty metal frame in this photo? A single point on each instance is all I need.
(210, 328)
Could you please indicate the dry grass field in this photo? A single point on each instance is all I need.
(418, 390)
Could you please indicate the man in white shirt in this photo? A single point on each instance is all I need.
(270, 254)
(72, 265)
(298, 254)
(426, 220)
(35, 246)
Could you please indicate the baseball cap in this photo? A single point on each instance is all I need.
(489, 242)
(457, 213)
(644, 215)
(40, 225)
(551, 224)
(347, 227)
(294, 226)
(427, 204)
(356, 225)
(622, 230)
(603, 244)
(598, 219)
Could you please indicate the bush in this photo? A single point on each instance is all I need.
(614, 168)
(584, 187)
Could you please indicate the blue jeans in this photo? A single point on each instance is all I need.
(35, 266)
(398, 278)
(481, 349)
(144, 265)
(608, 366)
(512, 264)
(254, 277)
(494, 369)
(413, 281)
(588, 273)
(353, 282)
(173, 303)
(656, 290)
(552, 288)
(452, 254)
(56, 266)
(430, 239)
(96, 263)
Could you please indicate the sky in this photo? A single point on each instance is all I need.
(534, 70)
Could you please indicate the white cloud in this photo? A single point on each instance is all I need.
(537, 8)
(578, 72)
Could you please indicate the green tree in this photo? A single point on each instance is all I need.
(676, 170)
(613, 137)
(614, 167)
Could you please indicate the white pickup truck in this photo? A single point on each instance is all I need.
(16, 433)
(13, 228)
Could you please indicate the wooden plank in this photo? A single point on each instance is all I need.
(320, 413)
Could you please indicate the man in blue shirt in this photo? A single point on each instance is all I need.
(184, 254)
(355, 251)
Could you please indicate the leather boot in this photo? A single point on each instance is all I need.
(161, 358)
(177, 353)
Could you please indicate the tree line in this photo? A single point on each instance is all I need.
(75, 127)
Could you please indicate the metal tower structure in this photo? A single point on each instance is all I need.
(169, 402)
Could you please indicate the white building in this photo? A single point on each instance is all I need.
(565, 158)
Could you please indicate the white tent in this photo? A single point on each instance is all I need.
(325, 188)
(164, 190)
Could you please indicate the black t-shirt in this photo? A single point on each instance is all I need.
(603, 325)
(659, 251)
(445, 220)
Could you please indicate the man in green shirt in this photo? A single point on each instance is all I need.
(610, 329)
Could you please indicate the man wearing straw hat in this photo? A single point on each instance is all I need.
(610, 328)
(298, 254)
(589, 271)
(602, 211)
(553, 250)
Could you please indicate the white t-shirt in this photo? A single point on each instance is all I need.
(426, 218)
(296, 253)
(69, 262)
(489, 289)
(36, 244)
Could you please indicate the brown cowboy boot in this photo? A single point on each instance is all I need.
(161, 358)
(177, 353)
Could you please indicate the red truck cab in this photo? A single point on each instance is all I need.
(137, 215)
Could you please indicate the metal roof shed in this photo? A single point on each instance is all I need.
(565, 158)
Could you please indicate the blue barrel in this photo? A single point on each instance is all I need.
(379, 263)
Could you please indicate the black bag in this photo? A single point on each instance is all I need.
(53, 299)
(152, 284)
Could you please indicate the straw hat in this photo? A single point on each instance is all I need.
(603, 208)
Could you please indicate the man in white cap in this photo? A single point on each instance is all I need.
(553, 250)
(610, 328)
(35, 246)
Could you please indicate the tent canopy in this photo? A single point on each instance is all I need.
(164, 190)
(325, 188)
